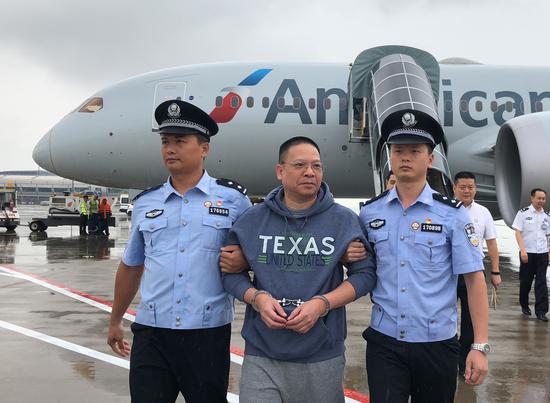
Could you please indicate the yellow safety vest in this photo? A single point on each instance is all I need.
(83, 207)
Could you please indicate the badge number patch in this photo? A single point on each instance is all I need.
(431, 227)
(154, 213)
(378, 223)
(218, 211)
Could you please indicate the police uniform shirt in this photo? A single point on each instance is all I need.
(178, 239)
(534, 227)
(483, 223)
(419, 251)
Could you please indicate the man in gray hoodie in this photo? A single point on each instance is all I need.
(295, 322)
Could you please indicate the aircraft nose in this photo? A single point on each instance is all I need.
(42, 155)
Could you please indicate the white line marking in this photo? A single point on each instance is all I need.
(237, 359)
(13, 273)
(64, 291)
(119, 362)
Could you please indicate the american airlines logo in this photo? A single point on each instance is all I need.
(475, 108)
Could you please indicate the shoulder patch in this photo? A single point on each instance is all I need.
(384, 193)
(449, 201)
(524, 209)
(147, 191)
(230, 183)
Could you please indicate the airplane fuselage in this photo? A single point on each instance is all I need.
(259, 105)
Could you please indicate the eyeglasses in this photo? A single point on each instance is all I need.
(302, 165)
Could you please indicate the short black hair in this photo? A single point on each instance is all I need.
(464, 175)
(390, 173)
(294, 141)
(535, 190)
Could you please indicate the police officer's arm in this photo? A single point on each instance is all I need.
(232, 259)
(466, 260)
(476, 362)
(355, 252)
(522, 252)
(490, 237)
(492, 248)
(517, 225)
(127, 282)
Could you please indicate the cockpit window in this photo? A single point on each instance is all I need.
(92, 105)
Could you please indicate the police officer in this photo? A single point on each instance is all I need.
(182, 328)
(532, 228)
(422, 242)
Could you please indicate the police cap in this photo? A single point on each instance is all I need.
(180, 117)
(412, 127)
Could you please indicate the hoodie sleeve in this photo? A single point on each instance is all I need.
(236, 284)
(361, 274)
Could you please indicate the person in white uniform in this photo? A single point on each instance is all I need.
(532, 227)
(465, 191)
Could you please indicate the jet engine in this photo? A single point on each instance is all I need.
(522, 161)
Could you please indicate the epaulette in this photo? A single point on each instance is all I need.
(231, 184)
(524, 209)
(384, 193)
(147, 191)
(449, 201)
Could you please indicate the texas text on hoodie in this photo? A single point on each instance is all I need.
(296, 255)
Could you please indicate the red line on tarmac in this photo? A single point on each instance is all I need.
(235, 350)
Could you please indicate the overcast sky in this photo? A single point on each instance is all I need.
(54, 54)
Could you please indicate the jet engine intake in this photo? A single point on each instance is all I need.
(522, 161)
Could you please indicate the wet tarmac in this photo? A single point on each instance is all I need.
(54, 293)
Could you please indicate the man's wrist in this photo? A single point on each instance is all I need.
(326, 303)
(255, 295)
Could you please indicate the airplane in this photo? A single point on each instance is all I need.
(493, 118)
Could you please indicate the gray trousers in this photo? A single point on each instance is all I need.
(264, 380)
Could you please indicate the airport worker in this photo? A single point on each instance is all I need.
(532, 227)
(422, 242)
(182, 328)
(390, 180)
(84, 210)
(93, 218)
(295, 322)
(465, 191)
(104, 212)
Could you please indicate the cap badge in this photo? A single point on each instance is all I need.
(408, 119)
(174, 110)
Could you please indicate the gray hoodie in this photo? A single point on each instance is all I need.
(297, 255)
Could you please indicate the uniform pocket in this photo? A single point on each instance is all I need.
(377, 315)
(152, 232)
(381, 242)
(431, 248)
(146, 313)
(214, 231)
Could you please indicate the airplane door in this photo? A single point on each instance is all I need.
(165, 91)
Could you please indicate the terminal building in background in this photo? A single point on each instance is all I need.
(34, 187)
